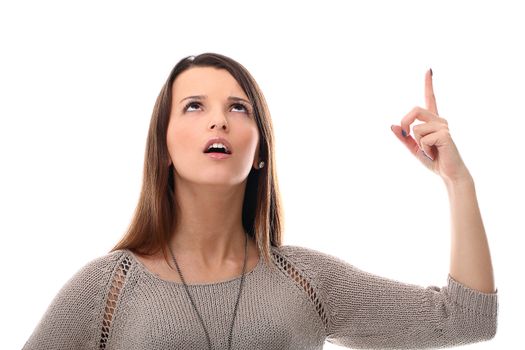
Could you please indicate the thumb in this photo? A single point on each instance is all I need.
(398, 131)
(407, 140)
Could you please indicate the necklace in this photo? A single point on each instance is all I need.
(193, 303)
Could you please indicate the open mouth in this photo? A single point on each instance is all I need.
(217, 150)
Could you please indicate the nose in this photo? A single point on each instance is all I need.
(219, 124)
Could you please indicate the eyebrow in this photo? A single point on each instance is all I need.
(201, 97)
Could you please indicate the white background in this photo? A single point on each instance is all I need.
(78, 81)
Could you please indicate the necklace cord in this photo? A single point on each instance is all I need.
(193, 302)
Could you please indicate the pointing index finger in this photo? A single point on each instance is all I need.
(430, 98)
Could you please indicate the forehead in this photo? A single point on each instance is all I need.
(206, 81)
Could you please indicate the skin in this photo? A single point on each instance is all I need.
(432, 145)
(209, 239)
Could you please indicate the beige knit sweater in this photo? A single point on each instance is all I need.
(303, 299)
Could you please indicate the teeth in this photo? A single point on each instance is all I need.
(218, 145)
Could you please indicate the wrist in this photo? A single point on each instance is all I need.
(464, 181)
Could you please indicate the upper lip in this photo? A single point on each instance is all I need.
(218, 140)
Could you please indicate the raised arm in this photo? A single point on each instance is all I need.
(370, 311)
(470, 262)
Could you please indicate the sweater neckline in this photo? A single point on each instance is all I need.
(145, 270)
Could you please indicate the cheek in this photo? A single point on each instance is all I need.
(250, 139)
(255, 136)
(180, 140)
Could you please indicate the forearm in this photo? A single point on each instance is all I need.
(470, 262)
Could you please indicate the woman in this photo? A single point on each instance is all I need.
(202, 265)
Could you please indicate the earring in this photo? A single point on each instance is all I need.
(261, 164)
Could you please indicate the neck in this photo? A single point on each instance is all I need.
(208, 226)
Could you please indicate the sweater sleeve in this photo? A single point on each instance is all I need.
(71, 321)
(369, 311)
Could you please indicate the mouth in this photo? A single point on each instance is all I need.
(217, 145)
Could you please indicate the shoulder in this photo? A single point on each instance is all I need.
(94, 275)
(74, 314)
(311, 262)
(306, 256)
(102, 264)
(88, 286)
(319, 267)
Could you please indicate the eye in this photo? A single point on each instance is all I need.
(241, 106)
(191, 104)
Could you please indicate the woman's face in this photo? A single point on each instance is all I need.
(208, 102)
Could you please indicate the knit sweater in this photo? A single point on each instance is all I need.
(299, 301)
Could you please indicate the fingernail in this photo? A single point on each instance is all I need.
(403, 132)
(431, 73)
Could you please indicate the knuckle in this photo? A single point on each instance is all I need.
(445, 133)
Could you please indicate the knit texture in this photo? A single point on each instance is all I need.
(304, 298)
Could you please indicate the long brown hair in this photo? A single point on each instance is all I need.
(154, 218)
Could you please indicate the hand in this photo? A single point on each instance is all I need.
(432, 143)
